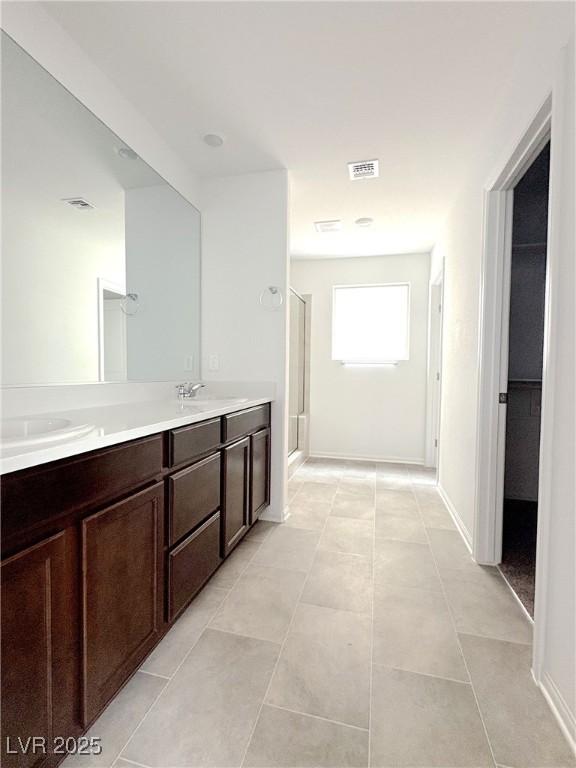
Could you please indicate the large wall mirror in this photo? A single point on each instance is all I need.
(100, 256)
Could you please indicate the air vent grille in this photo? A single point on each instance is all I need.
(364, 169)
(328, 226)
(79, 203)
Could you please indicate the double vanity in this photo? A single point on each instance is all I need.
(116, 511)
(104, 547)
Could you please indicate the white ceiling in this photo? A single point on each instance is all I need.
(310, 86)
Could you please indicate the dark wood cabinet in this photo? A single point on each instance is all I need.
(191, 564)
(39, 650)
(235, 425)
(188, 443)
(236, 493)
(101, 553)
(259, 473)
(36, 500)
(121, 593)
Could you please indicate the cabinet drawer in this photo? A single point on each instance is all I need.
(188, 443)
(192, 563)
(243, 422)
(194, 493)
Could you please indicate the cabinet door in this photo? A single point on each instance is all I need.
(40, 653)
(259, 473)
(236, 499)
(121, 593)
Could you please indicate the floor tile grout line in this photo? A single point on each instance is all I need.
(371, 685)
(119, 753)
(494, 637)
(317, 717)
(282, 645)
(132, 762)
(153, 674)
(230, 590)
(298, 602)
(244, 634)
(242, 572)
(423, 674)
(169, 680)
(451, 614)
(201, 632)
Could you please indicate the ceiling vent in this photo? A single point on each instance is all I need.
(364, 169)
(328, 226)
(79, 203)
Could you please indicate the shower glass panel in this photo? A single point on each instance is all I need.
(297, 369)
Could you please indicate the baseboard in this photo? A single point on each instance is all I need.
(378, 459)
(462, 530)
(561, 711)
(274, 515)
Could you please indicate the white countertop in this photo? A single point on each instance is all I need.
(119, 423)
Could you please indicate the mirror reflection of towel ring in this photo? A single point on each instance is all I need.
(130, 304)
(271, 298)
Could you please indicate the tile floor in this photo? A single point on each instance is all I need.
(359, 633)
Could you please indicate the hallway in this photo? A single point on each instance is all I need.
(358, 633)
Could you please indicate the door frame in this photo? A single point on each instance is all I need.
(494, 330)
(102, 286)
(552, 120)
(434, 369)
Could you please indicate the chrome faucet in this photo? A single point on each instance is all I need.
(188, 389)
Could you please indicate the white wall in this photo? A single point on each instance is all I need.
(32, 28)
(555, 666)
(53, 254)
(163, 268)
(60, 295)
(373, 413)
(461, 246)
(245, 250)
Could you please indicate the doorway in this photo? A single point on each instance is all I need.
(434, 370)
(525, 331)
(112, 351)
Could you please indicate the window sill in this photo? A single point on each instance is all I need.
(352, 364)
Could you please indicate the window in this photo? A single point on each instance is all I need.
(370, 323)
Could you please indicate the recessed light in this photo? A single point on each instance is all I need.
(126, 153)
(335, 225)
(213, 140)
(364, 221)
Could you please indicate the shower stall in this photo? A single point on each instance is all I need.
(297, 389)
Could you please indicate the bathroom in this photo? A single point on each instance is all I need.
(242, 387)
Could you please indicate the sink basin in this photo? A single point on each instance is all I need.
(31, 430)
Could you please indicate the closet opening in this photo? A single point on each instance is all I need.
(525, 366)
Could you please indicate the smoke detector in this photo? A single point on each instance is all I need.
(213, 140)
(328, 226)
(363, 169)
(79, 203)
